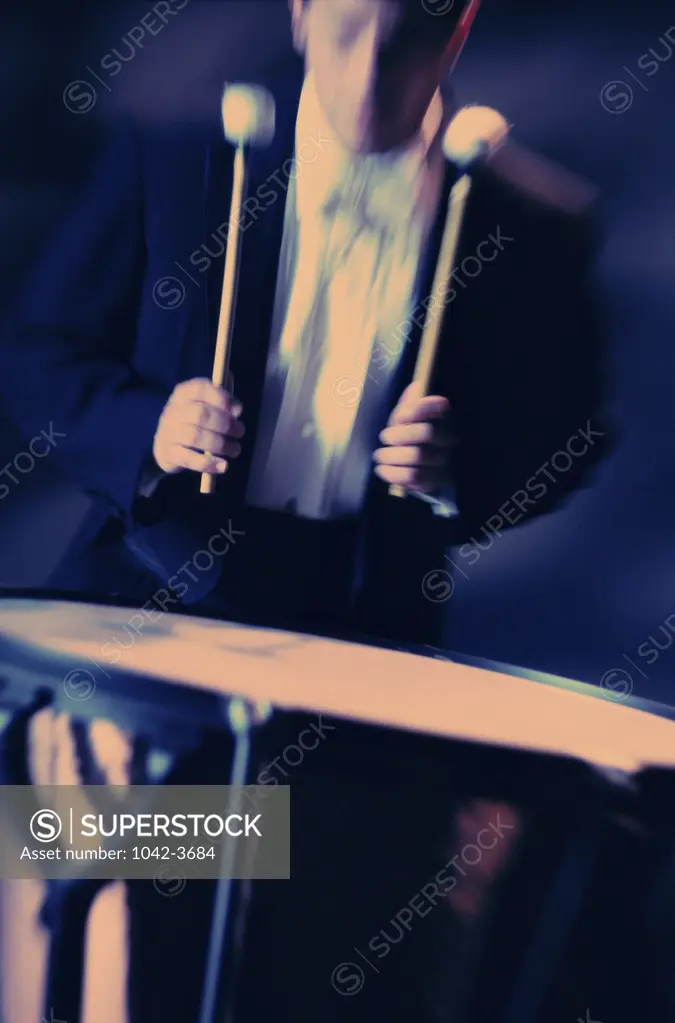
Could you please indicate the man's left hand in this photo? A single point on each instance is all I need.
(417, 447)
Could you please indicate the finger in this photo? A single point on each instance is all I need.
(204, 390)
(417, 433)
(414, 456)
(206, 440)
(196, 413)
(427, 481)
(432, 407)
(185, 458)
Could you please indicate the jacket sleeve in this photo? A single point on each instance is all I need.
(66, 355)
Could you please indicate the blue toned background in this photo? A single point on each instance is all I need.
(577, 593)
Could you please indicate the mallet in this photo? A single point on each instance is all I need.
(248, 119)
(472, 136)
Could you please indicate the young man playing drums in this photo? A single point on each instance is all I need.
(339, 244)
(337, 259)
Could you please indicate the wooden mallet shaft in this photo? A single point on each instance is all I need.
(473, 134)
(426, 357)
(221, 358)
(248, 119)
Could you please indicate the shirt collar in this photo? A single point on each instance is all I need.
(335, 164)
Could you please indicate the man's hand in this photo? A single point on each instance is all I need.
(198, 417)
(417, 448)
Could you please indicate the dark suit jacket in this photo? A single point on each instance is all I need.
(126, 305)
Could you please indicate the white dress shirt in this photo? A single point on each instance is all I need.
(354, 232)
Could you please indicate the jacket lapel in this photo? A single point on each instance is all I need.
(464, 292)
(406, 367)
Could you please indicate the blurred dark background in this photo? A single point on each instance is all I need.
(574, 594)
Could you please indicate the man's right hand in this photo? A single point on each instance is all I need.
(198, 418)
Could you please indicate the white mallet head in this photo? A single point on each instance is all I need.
(248, 115)
(474, 133)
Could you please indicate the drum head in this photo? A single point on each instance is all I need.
(108, 647)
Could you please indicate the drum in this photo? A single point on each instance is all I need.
(459, 835)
